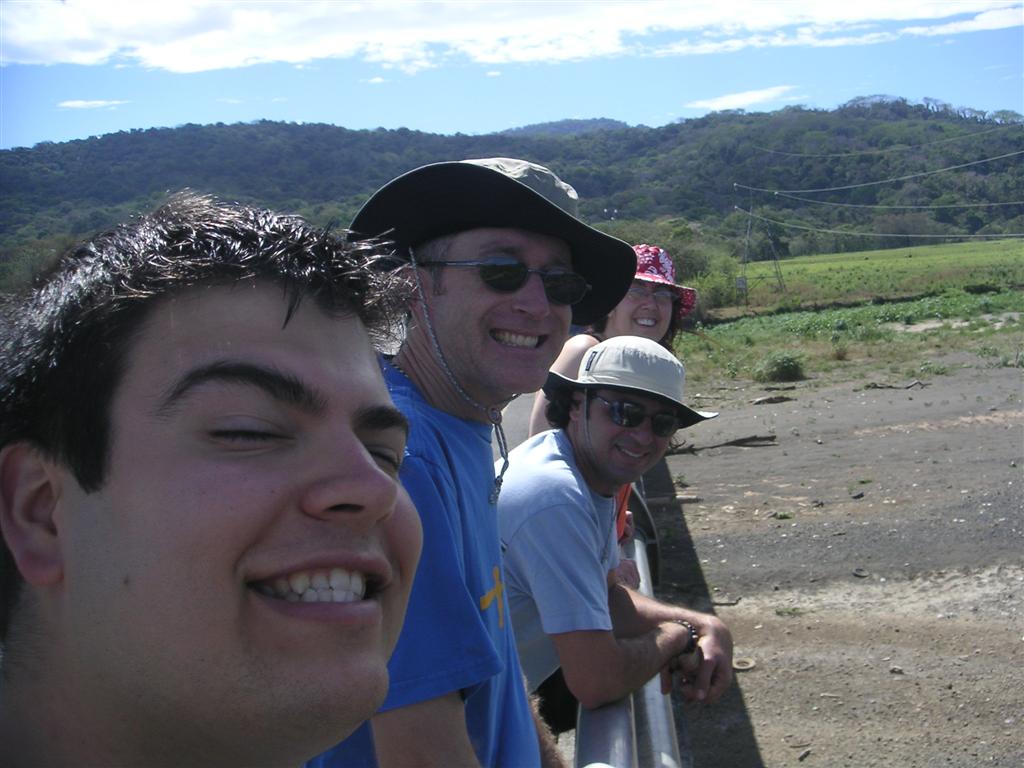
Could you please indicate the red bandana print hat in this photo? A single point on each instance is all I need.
(654, 265)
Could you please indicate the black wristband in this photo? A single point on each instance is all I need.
(691, 644)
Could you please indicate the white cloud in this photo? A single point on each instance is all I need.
(200, 35)
(375, 80)
(744, 99)
(89, 104)
(494, 73)
(997, 19)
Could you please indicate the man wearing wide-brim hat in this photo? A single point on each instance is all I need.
(501, 264)
(556, 515)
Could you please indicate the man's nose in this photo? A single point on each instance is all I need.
(349, 484)
(532, 297)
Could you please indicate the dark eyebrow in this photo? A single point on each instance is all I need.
(377, 418)
(281, 386)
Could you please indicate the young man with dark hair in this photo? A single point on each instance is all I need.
(501, 263)
(206, 551)
(556, 514)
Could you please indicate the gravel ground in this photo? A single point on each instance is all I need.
(871, 567)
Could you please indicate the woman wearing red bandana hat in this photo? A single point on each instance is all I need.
(653, 308)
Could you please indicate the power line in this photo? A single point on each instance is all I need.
(883, 181)
(868, 234)
(903, 207)
(888, 150)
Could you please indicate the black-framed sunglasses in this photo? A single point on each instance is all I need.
(506, 275)
(627, 414)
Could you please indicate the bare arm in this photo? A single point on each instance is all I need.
(600, 668)
(424, 735)
(568, 364)
(633, 613)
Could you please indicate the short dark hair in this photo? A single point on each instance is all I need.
(64, 340)
(559, 405)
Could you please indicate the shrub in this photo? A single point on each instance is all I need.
(839, 350)
(780, 366)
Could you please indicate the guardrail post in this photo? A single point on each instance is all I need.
(638, 730)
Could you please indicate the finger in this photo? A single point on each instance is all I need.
(720, 682)
(688, 692)
(690, 664)
(702, 679)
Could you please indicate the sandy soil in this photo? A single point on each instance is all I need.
(871, 566)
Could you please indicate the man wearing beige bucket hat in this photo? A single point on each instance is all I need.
(556, 516)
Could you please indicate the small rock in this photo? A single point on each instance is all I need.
(857, 495)
(804, 755)
(894, 670)
(771, 399)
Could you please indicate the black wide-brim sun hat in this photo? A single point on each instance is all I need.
(450, 197)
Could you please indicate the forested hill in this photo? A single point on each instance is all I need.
(565, 127)
(686, 171)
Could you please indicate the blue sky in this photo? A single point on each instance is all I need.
(81, 68)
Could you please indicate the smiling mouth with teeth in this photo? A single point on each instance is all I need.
(632, 454)
(320, 585)
(516, 339)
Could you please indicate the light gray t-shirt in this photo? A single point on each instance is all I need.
(559, 542)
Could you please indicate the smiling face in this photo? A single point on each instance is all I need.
(645, 311)
(235, 588)
(498, 344)
(610, 456)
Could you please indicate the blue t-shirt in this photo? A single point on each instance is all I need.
(559, 543)
(457, 634)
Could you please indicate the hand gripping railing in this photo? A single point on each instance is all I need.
(637, 731)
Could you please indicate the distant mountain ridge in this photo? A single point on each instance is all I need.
(566, 127)
(685, 172)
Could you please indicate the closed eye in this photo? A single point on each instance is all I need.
(245, 435)
(387, 459)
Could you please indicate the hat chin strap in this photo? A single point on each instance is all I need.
(493, 412)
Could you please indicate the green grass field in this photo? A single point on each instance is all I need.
(905, 339)
(970, 300)
(901, 272)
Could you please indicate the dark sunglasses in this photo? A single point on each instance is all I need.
(627, 414)
(508, 275)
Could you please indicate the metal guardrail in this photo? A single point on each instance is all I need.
(638, 731)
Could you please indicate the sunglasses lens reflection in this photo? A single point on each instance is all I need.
(630, 415)
(504, 277)
(559, 287)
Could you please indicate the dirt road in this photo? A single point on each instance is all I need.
(870, 565)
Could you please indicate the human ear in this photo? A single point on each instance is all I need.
(29, 492)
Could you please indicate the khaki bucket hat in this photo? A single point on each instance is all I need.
(633, 364)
